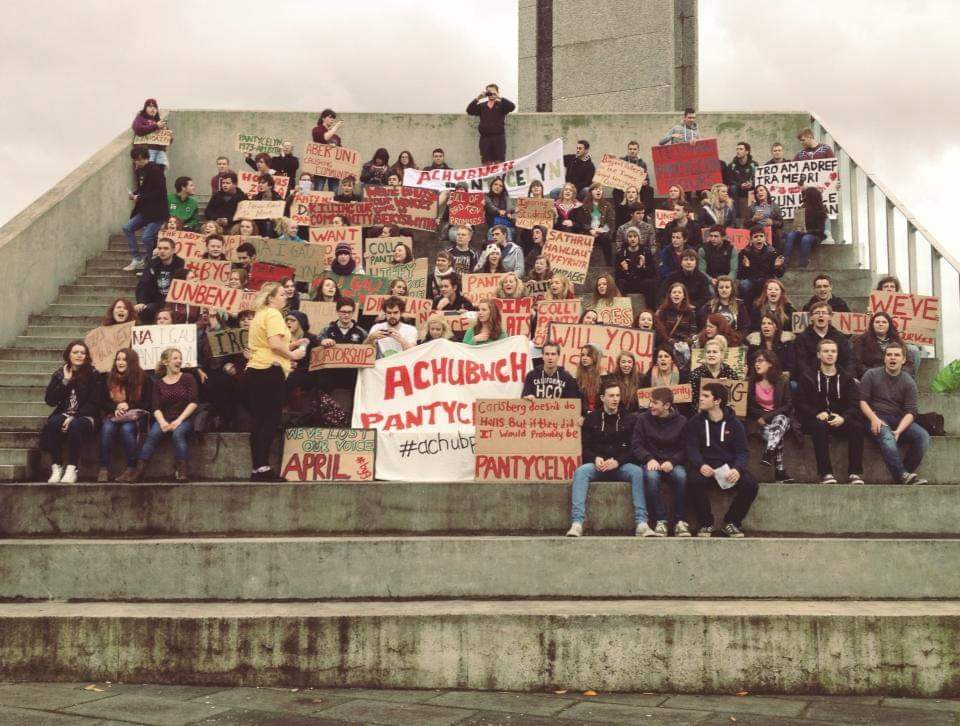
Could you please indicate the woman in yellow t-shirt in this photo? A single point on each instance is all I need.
(271, 352)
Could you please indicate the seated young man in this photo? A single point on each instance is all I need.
(183, 203)
(223, 168)
(464, 258)
(550, 380)
(827, 404)
(606, 437)
(806, 344)
(222, 207)
(339, 383)
(823, 292)
(511, 253)
(450, 296)
(214, 248)
(579, 167)
(888, 399)
(392, 336)
(718, 254)
(759, 262)
(439, 160)
(648, 234)
(658, 446)
(716, 451)
(697, 284)
(155, 281)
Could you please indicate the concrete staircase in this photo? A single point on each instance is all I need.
(839, 589)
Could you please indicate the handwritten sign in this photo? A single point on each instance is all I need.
(357, 287)
(263, 272)
(308, 261)
(257, 209)
(205, 295)
(201, 270)
(321, 314)
(609, 339)
(619, 312)
(515, 314)
(343, 355)
(739, 238)
(536, 289)
(846, 323)
(915, 316)
(413, 273)
(663, 217)
(161, 137)
(418, 308)
(521, 440)
(554, 311)
(479, 286)
(786, 182)
(193, 245)
(534, 212)
(738, 393)
(465, 207)
(329, 454)
(692, 166)
(379, 251)
(321, 212)
(682, 393)
(619, 174)
(330, 161)
(149, 341)
(228, 341)
(410, 207)
(569, 254)
(105, 341)
(257, 144)
(249, 183)
(300, 206)
(330, 237)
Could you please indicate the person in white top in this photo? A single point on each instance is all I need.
(391, 336)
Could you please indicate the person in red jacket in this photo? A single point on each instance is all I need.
(492, 113)
(325, 132)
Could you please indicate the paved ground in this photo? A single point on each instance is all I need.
(49, 704)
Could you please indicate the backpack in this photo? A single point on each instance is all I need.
(932, 423)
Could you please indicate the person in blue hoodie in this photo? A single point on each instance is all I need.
(607, 433)
(717, 456)
(658, 446)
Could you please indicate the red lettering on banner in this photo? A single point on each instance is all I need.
(400, 380)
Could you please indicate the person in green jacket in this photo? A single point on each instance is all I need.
(488, 327)
(183, 205)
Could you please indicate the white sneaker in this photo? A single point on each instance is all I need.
(56, 473)
(69, 475)
(661, 528)
(135, 264)
(643, 530)
(576, 530)
(681, 529)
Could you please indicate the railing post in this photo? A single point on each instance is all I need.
(912, 263)
(891, 238)
(872, 224)
(937, 291)
(854, 192)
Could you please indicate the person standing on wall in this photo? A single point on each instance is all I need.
(269, 365)
(150, 208)
(493, 134)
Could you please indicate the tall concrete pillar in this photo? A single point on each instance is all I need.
(608, 55)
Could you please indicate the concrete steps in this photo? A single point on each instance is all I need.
(902, 648)
(451, 508)
(22, 393)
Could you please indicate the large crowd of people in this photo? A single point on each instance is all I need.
(699, 297)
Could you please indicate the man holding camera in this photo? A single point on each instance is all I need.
(492, 112)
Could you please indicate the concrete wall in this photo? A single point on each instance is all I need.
(45, 245)
(202, 135)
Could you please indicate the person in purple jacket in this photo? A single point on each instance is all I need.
(148, 121)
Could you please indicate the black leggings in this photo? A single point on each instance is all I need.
(264, 391)
(54, 437)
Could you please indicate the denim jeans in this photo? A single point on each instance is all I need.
(179, 435)
(807, 243)
(588, 473)
(744, 491)
(150, 230)
(158, 156)
(914, 437)
(332, 183)
(678, 481)
(128, 431)
(749, 289)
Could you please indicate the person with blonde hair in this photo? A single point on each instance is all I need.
(560, 288)
(437, 327)
(713, 365)
(175, 399)
(718, 210)
(271, 356)
(509, 287)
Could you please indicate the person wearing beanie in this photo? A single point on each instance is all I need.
(343, 262)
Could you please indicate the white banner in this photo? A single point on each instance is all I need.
(151, 340)
(421, 403)
(787, 180)
(544, 164)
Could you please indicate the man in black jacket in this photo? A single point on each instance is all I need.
(222, 207)
(821, 328)
(286, 164)
(339, 383)
(697, 284)
(828, 404)
(150, 207)
(451, 297)
(550, 380)
(823, 292)
(658, 446)
(493, 135)
(155, 281)
(718, 254)
(580, 169)
(607, 433)
(758, 263)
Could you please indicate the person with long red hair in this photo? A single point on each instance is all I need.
(126, 399)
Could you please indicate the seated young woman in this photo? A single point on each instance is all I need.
(73, 393)
(488, 326)
(773, 339)
(773, 301)
(120, 311)
(713, 366)
(769, 410)
(717, 325)
(126, 400)
(727, 304)
(679, 321)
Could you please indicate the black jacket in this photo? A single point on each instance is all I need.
(151, 194)
(607, 435)
(697, 284)
(286, 165)
(579, 171)
(491, 119)
(719, 260)
(805, 348)
(634, 273)
(58, 394)
(716, 442)
(659, 438)
(541, 385)
(818, 393)
(149, 287)
(224, 205)
(837, 304)
(761, 263)
(782, 401)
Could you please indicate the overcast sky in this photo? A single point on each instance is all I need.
(74, 73)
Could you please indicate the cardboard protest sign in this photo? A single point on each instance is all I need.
(536, 289)
(663, 217)
(515, 313)
(609, 339)
(328, 454)
(465, 207)
(185, 244)
(534, 212)
(379, 250)
(330, 161)
(619, 174)
(151, 340)
(257, 209)
(413, 273)
(357, 287)
(105, 341)
(417, 308)
(460, 321)
(544, 164)
(330, 237)
(554, 311)
(786, 182)
(736, 358)
(249, 182)
(322, 212)
(215, 271)
(682, 393)
(321, 314)
(308, 261)
(569, 254)
(620, 312)
(521, 440)
(263, 272)
(162, 137)
(342, 355)
(227, 341)
(409, 207)
(205, 295)
(692, 166)
(915, 316)
(739, 238)
(479, 286)
(738, 394)
(257, 144)
(846, 323)
(300, 206)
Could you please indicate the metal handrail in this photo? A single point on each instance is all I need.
(938, 251)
